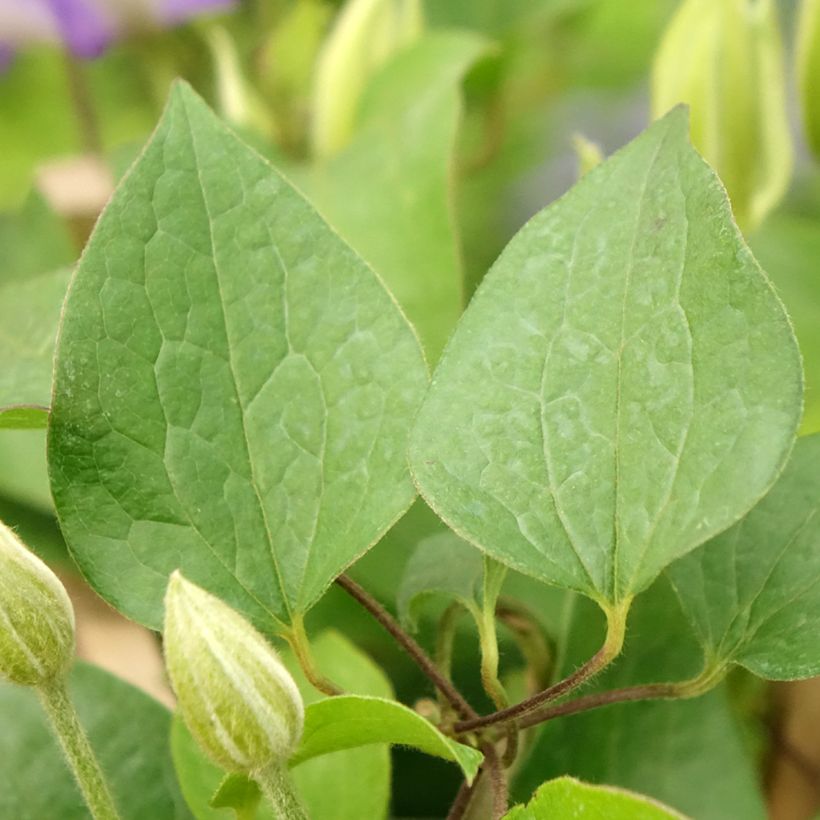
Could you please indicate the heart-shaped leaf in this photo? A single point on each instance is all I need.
(624, 385)
(234, 387)
(753, 593)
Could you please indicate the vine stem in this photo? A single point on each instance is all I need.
(498, 781)
(83, 104)
(613, 643)
(277, 786)
(78, 752)
(410, 646)
(707, 680)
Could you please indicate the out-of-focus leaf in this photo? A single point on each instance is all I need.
(34, 241)
(788, 247)
(129, 732)
(725, 60)
(566, 797)
(325, 783)
(400, 166)
(441, 565)
(223, 343)
(585, 434)
(29, 315)
(753, 592)
(687, 754)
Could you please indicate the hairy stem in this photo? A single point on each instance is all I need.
(277, 786)
(299, 643)
(707, 680)
(445, 637)
(613, 643)
(463, 797)
(78, 752)
(83, 104)
(498, 780)
(419, 656)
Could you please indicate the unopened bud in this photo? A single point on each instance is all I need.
(724, 59)
(36, 617)
(235, 695)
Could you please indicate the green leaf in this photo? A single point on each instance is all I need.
(442, 564)
(240, 793)
(222, 343)
(348, 721)
(688, 754)
(400, 162)
(29, 315)
(34, 241)
(567, 797)
(324, 782)
(23, 471)
(624, 385)
(788, 245)
(753, 593)
(129, 733)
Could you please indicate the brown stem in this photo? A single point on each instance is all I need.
(419, 656)
(498, 780)
(463, 797)
(707, 680)
(616, 626)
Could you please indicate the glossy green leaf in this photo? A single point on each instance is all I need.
(348, 721)
(222, 343)
(129, 732)
(29, 315)
(753, 593)
(725, 60)
(324, 782)
(688, 754)
(808, 69)
(567, 797)
(624, 385)
(400, 163)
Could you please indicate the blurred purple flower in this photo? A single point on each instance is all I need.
(87, 27)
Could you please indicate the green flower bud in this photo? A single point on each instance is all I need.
(808, 70)
(36, 617)
(234, 693)
(724, 59)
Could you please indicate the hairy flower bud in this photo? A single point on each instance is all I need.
(236, 697)
(36, 617)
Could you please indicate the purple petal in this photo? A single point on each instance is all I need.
(175, 11)
(83, 26)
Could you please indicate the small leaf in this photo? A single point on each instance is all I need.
(624, 385)
(29, 315)
(240, 793)
(442, 564)
(222, 343)
(128, 731)
(753, 593)
(348, 721)
(725, 60)
(567, 797)
(400, 161)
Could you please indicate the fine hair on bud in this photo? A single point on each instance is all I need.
(235, 695)
(36, 617)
